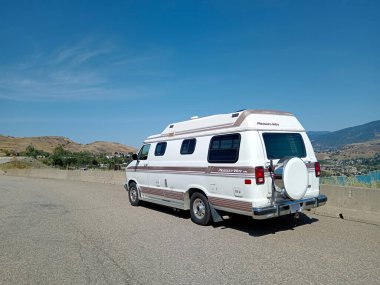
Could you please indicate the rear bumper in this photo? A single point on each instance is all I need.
(288, 207)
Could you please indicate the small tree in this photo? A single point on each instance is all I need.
(31, 151)
(60, 157)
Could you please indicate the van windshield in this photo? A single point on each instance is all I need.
(279, 145)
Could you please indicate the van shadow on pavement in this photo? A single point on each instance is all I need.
(259, 228)
(242, 223)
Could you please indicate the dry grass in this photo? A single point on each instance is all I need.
(22, 163)
(15, 165)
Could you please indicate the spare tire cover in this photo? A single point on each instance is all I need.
(295, 178)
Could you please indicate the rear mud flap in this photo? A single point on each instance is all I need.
(214, 214)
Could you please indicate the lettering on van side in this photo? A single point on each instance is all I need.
(231, 170)
(268, 124)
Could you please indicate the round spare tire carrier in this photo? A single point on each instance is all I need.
(291, 175)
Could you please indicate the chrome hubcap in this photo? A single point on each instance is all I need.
(199, 208)
(133, 194)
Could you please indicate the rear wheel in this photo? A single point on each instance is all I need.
(133, 194)
(200, 209)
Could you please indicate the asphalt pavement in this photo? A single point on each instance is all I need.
(68, 232)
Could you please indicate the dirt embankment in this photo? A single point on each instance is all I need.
(49, 143)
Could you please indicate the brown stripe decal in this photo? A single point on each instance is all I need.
(163, 193)
(208, 170)
(231, 204)
(224, 171)
(152, 191)
(218, 202)
(173, 195)
(168, 168)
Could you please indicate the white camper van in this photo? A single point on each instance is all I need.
(258, 163)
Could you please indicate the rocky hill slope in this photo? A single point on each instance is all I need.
(48, 143)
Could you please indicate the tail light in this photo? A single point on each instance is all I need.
(317, 167)
(259, 173)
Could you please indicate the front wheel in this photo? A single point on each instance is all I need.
(200, 209)
(133, 194)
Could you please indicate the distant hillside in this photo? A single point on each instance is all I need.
(353, 135)
(48, 144)
(316, 135)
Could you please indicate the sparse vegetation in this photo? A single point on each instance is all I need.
(33, 152)
(62, 158)
(335, 166)
(17, 163)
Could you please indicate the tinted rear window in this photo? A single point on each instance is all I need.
(280, 145)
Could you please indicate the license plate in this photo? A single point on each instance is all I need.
(294, 208)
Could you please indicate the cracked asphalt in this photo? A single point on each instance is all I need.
(68, 232)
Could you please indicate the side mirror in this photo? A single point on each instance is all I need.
(134, 156)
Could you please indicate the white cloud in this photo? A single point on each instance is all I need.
(84, 71)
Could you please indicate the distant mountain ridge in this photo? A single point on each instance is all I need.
(338, 139)
(316, 135)
(49, 143)
(321, 140)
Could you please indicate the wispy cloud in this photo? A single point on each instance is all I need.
(81, 52)
(77, 120)
(83, 71)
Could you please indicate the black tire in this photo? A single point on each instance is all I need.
(200, 209)
(133, 194)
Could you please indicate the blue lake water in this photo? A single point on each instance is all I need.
(368, 178)
(372, 176)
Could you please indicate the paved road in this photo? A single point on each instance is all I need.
(4, 159)
(66, 232)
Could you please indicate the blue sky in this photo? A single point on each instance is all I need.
(123, 70)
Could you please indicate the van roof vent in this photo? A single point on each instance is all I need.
(194, 117)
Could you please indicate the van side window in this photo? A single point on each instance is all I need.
(188, 146)
(224, 149)
(144, 151)
(160, 149)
